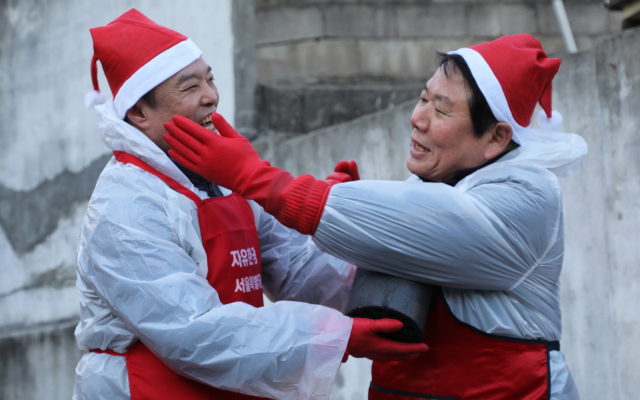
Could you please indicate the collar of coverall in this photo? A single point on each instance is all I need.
(463, 173)
(198, 181)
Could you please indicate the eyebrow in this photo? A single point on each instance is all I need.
(439, 97)
(183, 78)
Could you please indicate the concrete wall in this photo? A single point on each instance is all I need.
(600, 90)
(325, 62)
(50, 157)
(313, 41)
(598, 93)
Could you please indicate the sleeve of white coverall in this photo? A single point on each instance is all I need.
(490, 237)
(138, 263)
(293, 268)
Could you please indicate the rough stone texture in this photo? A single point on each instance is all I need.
(29, 217)
(402, 24)
(351, 20)
(616, 156)
(309, 62)
(50, 157)
(42, 362)
(285, 24)
(598, 93)
(518, 18)
(589, 315)
(484, 20)
(245, 73)
(389, 42)
(411, 60)
(301, 109)
(437, 20)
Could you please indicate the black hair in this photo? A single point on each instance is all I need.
(150, 98)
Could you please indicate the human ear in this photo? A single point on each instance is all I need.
(499, 137)
(137, 116)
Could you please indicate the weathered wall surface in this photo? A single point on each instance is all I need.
(316, 41)
(598, 93)
(322, 62)
(50, 158)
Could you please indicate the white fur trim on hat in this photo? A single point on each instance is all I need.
(492, 91)
(94, 98)
(552, 124)
(157, 70)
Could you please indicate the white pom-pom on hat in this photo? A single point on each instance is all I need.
(93, 98)
(552, 124)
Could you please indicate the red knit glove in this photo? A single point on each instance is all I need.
(230, 161)
(365, 341)
(343, 172)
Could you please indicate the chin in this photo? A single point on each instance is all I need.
(413, 168)
(421, 172)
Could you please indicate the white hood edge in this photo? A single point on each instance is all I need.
(118, 135)
(556, 151)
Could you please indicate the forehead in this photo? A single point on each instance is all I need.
(197, 69)
(451, 85)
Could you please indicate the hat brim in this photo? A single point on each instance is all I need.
(157, 70)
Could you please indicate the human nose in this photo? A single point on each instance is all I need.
(420, 118)
(209, 96)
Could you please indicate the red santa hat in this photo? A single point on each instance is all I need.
(136, 55)
(514, 73)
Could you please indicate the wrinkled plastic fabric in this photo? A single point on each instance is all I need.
(494, 241)
(142, 275)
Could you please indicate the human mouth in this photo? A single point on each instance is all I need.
(419, 147)
(206, 123)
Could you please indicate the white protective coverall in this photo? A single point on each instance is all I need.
(494, 241)
(142, 275)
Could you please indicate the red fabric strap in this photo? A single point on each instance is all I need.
(108, 351)
(127, 158)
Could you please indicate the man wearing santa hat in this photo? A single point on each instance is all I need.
(480, 219)
(171, 268)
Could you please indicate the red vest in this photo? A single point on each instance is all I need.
(231, 242)
(465, 363)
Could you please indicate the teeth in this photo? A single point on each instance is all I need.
(206, 122)
(418, 147)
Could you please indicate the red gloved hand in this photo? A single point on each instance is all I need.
(365, 341)
(230, 161)
(343, 172)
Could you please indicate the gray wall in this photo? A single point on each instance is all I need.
(598, 93)
(324, 62)
(50, 158)
(321, 41)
